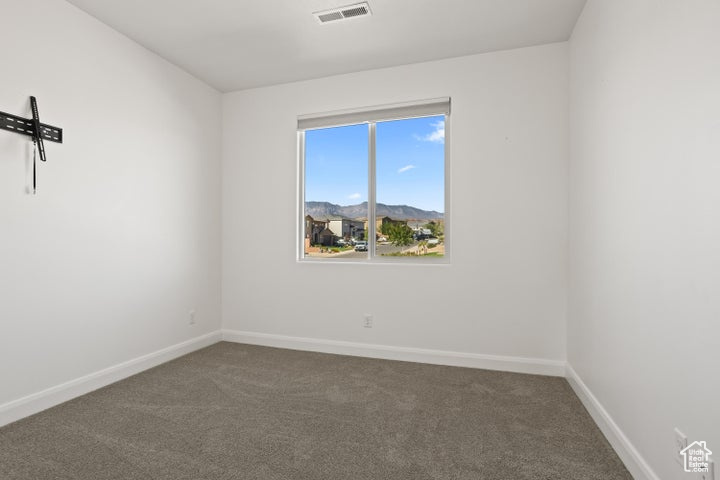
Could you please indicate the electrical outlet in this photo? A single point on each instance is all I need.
(367, 320)
(680, 443)
(191, 317)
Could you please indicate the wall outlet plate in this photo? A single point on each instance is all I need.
(367, 320)
(681, 442)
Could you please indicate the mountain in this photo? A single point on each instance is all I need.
(320, 210)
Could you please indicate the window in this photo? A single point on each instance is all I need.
(373, 184)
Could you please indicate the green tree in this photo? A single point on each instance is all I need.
(399, 234)
(434, 228)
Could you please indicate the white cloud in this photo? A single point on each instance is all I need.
(406, 168)
(437, 135)
(354, 196)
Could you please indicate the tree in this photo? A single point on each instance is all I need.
(434, 228)
(399, 234)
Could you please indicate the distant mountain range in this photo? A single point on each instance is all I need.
(320, 210)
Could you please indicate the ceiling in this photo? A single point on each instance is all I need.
(239, 44)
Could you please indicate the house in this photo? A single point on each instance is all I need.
(327, 237)
(347, 228)
(328, 230)
(324, 231)
(314, 228)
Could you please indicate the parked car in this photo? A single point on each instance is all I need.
(341, 242)
(361, 246)
(433, 241)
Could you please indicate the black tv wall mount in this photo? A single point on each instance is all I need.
(32, 128)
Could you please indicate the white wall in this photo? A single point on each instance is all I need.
(643, 328)
(505, 292)
(123, 237)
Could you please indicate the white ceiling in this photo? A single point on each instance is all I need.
(238, 44)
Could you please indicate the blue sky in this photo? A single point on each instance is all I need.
(410, 163)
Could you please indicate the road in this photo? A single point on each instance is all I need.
(383, 249)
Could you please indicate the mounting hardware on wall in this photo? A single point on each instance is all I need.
(32, 128)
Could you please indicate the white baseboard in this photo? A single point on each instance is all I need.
(436, 357)
(37, 402)
(635, 463)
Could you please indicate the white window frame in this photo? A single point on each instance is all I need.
(370, 116)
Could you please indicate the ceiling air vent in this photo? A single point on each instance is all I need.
(341, 13)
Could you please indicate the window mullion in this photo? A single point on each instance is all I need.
(371, 190)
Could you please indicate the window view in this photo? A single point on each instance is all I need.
(401, 162)
(410, 186)
(336, 189)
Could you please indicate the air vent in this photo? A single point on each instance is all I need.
(341, 13)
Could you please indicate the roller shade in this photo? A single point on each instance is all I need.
(424, 108)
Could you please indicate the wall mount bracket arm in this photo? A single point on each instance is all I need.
(26, 126)
(32, 128)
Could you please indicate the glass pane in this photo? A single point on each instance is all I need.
(336, 186)
(410, 187)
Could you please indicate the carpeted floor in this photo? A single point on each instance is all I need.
(235, 411)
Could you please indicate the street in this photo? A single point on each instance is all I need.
(381, 249)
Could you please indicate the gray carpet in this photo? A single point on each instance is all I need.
(235, 411)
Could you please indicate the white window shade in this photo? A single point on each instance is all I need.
(424, 108)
